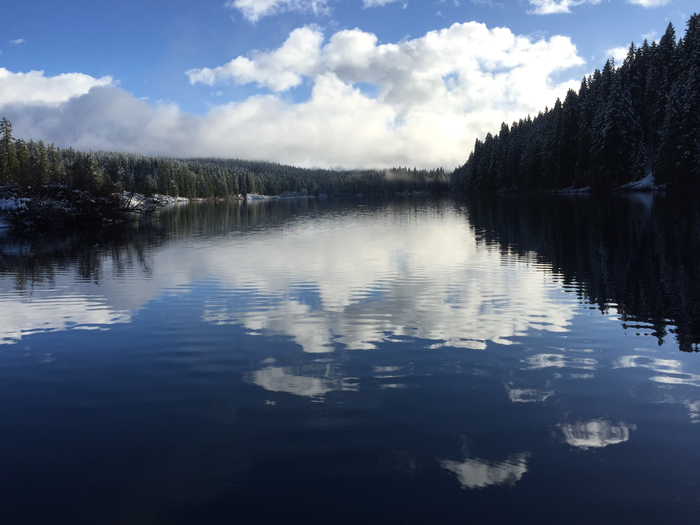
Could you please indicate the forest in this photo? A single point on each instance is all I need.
(33, 165)
(639, 120)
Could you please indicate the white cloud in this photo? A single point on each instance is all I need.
(549, 7)
(648, 4)
(450, 85)
(35, 88)
(618, 53)
(18, 41)
(254, 10)
(434, 96)
(366, 4)
(278, 70)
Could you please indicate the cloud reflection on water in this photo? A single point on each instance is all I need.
(670, 374)
(49, 312)
(560, 361)
(355, 279)
(670, 370)
(528, 395)
(362, 282)
(479, 473)
(279, 379)
(596, 433)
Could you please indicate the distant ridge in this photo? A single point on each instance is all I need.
(31, 165)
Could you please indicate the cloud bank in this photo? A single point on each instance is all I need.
(34, 88)
(420, 102)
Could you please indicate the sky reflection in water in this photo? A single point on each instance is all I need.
(350, 280)
(385, 351)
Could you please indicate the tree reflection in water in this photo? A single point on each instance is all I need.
(637, 253)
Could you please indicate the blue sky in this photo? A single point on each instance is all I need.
(327, 83)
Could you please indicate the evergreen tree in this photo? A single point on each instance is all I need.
(23, 171)
(8, 156)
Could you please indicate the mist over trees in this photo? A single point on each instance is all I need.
(33, 164)
(625, 123)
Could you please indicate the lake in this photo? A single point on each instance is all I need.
(494, 359)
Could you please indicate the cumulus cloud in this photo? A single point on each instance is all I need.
(431, 97)
(18, 41)
(35, 88)
(254, 10)
(649, 3)
(549, 7)
(278, 70)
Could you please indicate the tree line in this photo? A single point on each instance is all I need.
(31, 165)
(625, 123)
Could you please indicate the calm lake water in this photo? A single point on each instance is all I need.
(501, 359)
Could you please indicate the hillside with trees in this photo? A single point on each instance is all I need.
(638, 121)
(33, 165)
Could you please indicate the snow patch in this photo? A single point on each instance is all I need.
(645, 184)
(13, 204)
(572, 189)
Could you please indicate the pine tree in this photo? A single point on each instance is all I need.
(662, 74)
(567, 143)
(23, 171)
(8, 155)
(39, 165)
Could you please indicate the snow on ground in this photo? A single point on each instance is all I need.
(8, 205)
(647, 183)
(12, 204)
(141, 202)
(572, 189)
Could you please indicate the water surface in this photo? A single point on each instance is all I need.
(493, 360)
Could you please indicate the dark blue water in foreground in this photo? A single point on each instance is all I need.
(497, 360)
